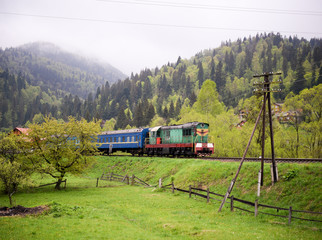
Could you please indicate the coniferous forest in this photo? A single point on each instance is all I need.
(212, 86)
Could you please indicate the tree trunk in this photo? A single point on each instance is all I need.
(10, 199)
(59, 181)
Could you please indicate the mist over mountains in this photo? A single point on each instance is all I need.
(50, 67)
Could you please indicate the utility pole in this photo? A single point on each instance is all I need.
(265, 91)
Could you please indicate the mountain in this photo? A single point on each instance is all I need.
(48, 66)
(153, 96)
(231, 66)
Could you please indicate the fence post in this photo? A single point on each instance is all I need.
(132, 182)
(289, 215)
(256, 207)
(208, 195)
(232, 203)
(127, 180)
(111, 176)
(97, 182)
(172, 186)
(259, 183)
(160, 183)
(189, 191)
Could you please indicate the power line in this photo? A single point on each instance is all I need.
(214, 7)
(153, 24)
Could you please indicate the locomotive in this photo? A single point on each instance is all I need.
(189, 139)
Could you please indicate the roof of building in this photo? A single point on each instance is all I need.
(22, 130)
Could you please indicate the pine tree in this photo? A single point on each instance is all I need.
(212, 69)
(200, 74)
(171, 110)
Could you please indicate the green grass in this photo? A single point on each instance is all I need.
(117, 211)
(299, 185)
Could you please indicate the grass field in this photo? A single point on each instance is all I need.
(118, 211)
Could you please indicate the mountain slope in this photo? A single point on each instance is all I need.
(51, 68)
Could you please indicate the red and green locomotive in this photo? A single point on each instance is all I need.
(189, 139)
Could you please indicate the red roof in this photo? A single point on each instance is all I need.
(21, 130)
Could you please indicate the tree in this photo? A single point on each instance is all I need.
(138, 115)
(200, 74)
(212, 69)
(121, 120)
(207, 102)
(63, 147)
(308, 104)
(15, 169)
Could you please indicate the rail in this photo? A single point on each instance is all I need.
(237, 159)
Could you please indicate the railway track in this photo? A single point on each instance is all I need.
(267, 160)
(238, 159)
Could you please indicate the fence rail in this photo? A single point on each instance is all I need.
(192, 191)
(48, 184)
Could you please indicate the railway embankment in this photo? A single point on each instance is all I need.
(299, 185)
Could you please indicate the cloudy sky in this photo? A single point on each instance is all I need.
(134, 34)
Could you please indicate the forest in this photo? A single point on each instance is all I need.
(213, 86)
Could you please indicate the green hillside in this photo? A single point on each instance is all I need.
(213, 86)
(53, 69)
(299, 185)
(117, 211)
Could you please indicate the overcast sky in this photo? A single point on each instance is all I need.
(134, 34)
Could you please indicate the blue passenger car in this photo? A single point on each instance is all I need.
(131, 140)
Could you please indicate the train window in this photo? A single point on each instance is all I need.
(136, 138)
(123, 139)
(167, 133)
(119, 139)
(133, 139)
(139, 138)
(186, 132)
(115, 139)
(128, 139)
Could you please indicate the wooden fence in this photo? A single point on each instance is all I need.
(48, 184)
(133, 180)
(207, 194)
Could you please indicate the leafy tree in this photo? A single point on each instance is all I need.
(308, 107)
(63, 147)
(15, 169)
(207, 102)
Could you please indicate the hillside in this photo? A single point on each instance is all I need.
(231, 66)
(213, 86)
(114, 210)
(51, 68)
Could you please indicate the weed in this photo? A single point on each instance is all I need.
(59, 210)
(290, 175)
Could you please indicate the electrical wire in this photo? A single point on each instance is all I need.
(153, 24)
(214, 7)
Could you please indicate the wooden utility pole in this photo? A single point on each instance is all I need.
(265, 90)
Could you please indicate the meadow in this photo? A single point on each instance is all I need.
(118, 211)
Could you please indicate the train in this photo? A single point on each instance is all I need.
(189, 140)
